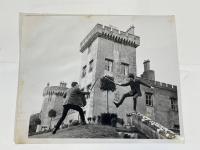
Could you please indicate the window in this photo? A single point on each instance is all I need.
(84, 71)
(124, 69)
(91, 65)
(50, 97)
(109, 65)
(88, 88)
(176, 126)
(149, 99)
(174, 105)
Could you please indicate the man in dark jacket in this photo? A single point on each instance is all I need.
(135, 90)
(74, 100)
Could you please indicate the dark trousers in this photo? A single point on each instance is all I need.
(66, 108)
(134, 103)
(130, 94)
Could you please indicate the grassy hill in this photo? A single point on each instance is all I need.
(86, 131)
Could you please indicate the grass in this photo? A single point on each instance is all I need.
(86, 131)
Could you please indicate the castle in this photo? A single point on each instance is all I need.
(106, 50)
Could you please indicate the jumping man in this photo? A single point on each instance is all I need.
(135, 90)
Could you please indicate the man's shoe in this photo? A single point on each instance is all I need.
(116, 104)
(54, 131)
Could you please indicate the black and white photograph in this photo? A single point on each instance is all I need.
(98, 77)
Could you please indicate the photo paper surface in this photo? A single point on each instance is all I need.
(85, 77)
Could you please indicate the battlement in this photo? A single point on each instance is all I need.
(162, 85)
(55, 90)
(110, 33)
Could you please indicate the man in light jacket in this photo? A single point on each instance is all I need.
(75, 99)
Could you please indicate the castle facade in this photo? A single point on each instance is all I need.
(106, 50)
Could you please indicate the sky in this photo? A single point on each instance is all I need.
(50, 50)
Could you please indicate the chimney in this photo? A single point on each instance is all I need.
(148, 73)
(63, 84)
(131, 30)
(146, 65)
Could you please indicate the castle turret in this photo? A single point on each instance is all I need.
(52, 99)
(148, 73)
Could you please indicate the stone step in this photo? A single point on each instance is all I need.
(149, 128)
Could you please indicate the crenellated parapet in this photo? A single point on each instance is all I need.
(161, 85)
(55, 90)
(126, 38)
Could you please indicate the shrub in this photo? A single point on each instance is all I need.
(33, 122)
(89, 119)
(75, 123)
(99, 119)
(70, 121)
(120, 121)
(108, 119)
(107, 84)
(51, 114)
(94, 119)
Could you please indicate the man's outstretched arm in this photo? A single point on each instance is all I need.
(78, 91)
(85, 93)
(123, 84)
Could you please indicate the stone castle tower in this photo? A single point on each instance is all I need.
(53, 100)
(106, 50)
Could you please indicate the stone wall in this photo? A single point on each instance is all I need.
(119, 53)
(150, 128)
(89, 54)
(161, 110)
